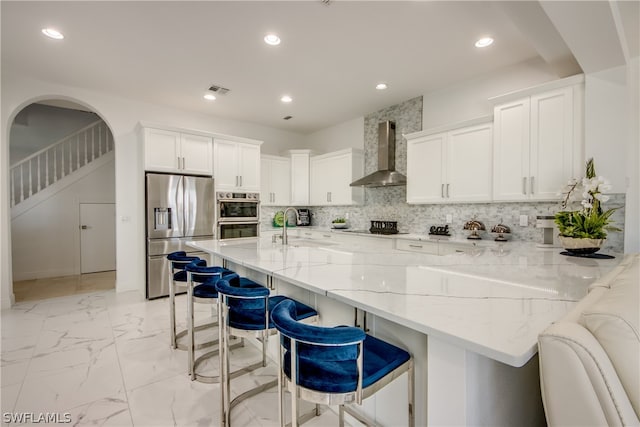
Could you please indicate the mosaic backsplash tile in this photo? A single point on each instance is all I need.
(390, 203)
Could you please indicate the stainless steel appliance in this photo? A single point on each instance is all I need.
(179, 209)
(237, 215)
(305, 217)
(386, 175)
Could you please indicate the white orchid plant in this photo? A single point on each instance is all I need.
(591, 221)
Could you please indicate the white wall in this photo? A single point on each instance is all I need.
(470, 99)
(632, 209)
(122, 116)
(46, 239)
(349, 134)
(612, 137)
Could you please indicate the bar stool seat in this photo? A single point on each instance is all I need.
(201, 288)
(335, 365)
(244, 312)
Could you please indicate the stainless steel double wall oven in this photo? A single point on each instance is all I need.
(237, 214)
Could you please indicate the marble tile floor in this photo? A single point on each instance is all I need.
(37, 289)
(104, 358)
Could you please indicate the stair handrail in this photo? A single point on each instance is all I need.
(56, 144)
(47, 172)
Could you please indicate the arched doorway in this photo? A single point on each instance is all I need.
(62, 198)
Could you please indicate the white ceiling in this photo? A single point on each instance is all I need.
(330, 59)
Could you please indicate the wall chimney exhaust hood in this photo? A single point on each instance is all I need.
(386, 175)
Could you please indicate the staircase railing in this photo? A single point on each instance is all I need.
(45, 167)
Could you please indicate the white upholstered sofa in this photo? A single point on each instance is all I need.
(590, 359)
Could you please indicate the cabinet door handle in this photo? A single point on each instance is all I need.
(442, 190)
(524, 185)
(178, 162)
(531, 185)
(447, 191)
(184, 164)
(416, 246)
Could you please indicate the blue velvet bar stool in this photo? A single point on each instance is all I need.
(243, 311)
(201, 289)
(335, 365)
(178, 281)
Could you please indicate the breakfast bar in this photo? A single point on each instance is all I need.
(470, 318)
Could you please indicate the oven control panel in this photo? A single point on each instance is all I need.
(228, 195)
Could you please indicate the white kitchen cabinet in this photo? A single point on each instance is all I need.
(275, 181)
(537, 144)
(452, 166)
(177, 152)
(236, 165)
(300, 176)
(330, 176)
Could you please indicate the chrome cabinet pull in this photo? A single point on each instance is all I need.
(184, 164)
(524, 185)
(442, 190)
(416, 246)
(447, 191)
(531, 185)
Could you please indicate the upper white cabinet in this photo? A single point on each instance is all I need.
(537, 144)
(300, 163)
(451, 166)
(236, 165)
(331, 175)
(170, 151)
(275, 181)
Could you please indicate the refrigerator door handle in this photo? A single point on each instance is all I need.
(181, 213)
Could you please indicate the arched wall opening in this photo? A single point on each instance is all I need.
(46, 237)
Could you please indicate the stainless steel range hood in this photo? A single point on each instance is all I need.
(386, 175)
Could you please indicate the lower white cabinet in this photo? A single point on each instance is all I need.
(330, 176)
(275, 181)
(453, 166)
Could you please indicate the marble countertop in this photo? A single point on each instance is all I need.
(493, 299)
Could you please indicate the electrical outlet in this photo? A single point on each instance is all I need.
(524, 220)
(449, 218)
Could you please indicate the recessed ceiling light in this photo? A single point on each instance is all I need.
(272, 39)
(381, 86)
(286, 98)
(54, 34)
(210, 97)
(484, 42)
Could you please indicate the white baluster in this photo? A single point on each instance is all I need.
(39, 182)
(13, 188)
(30, 179)
(93, 151)
(99, 140)
(46, 166)
(78, 152)
(70, 158)
(85, 148)
(55, 164)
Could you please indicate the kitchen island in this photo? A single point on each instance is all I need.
(471, 319)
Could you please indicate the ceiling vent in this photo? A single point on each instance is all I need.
(287, 118)
(219, 90)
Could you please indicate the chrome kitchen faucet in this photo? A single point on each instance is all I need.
(285, 239)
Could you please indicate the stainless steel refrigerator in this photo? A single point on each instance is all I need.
(179, 208)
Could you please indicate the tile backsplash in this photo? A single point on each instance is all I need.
(389, 203)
